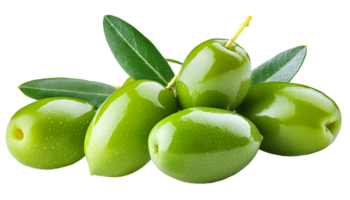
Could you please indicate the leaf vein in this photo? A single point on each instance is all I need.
(69, 91)
(147, 63)
(284, 65)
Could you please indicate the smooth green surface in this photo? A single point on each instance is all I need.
(281, 68)
(94, 92)
(49, 133)
(202, 145)
(213, 76)
(294, 119)
(116, 142)
(139, 58)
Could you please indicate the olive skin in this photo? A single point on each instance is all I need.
(49, 133)
(294, 119)
(214, 76)
(116, 141)
(203, 145)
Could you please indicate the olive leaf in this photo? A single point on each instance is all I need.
(139, 58)
(94, 92)
(281, 68)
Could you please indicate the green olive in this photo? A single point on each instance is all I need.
(50, 133)
(116, 141)
(294, 119)
(214, 76)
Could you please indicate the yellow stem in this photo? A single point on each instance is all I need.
(172, 82)
(235, 36)
(173, 90)
(117, 86)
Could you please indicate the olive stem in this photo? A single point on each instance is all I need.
(172, 82)
(235, 36)
(174, 61)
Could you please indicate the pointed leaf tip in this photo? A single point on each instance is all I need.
(307, 48)
(139, 58)
(281, 68)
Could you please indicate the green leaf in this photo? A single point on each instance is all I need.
(93, 92)
(139, 58)
(281, 68)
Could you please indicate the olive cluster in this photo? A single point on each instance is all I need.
(205, 126)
